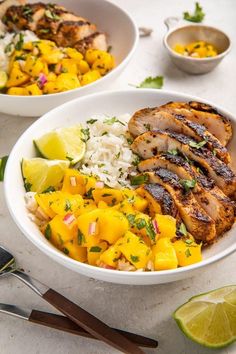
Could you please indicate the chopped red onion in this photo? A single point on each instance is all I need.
(68, 219)
(99, 184)
(73, 182)
(92, 228)
(155, 226)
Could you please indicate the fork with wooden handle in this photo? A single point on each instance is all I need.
(84, 319)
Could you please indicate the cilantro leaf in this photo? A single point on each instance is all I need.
(140, 179)
(196, 145)
(113, 120)
(3, 162)
(134, 259)
(197, 16)
(86, 134)
(187, 184)
(152, 82)
(95, 249)
(182, 229)
(48, 232)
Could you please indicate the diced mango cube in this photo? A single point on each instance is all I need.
(62, 231)
(166, 225)
(110, 256)
(164, 260)
(109, 195)
(187, 251)
(73, 182)
(17, 91)
(67, 203)
(16, 76)
(90, 76)
(112, 225)
(68, 81)
(74, 54)
(74, 251)
(33, 90)
(94, 252)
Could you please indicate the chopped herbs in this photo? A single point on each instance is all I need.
(117, 155)
(89, 194)
(197, 16)
(188, 242)
(8, 48)
(106, 195)
(104, 133)
(182, 229)
(214, 152)
(91, 121)
(152, 82)
(48, 232)
(27, 11)
(69, 158)
(188, 184)
(49, 189)
(86, 134)
(3, 162)
(51, 15)
(140, 223)
(188, 253)
(20, 42)
(65, 250)
(150, 231)
(67, 205)
(136, 160)
(131, 219)
(27, 186)
(130, 141)
(44, 30)
(196, 145)
(80, 238)
(134, 259)
(113, 120)
(137, 180)
(173, 152)
(95, 249)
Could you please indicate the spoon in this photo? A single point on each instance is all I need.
(88, 322)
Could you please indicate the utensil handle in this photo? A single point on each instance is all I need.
(90, 323)
(63, 323)
(172, 22)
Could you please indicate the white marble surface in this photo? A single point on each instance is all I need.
(145, 310)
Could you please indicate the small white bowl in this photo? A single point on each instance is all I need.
(110, 103)
(181, 33)
(122, 36)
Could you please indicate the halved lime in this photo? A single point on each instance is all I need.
(62, 144)
(3, 79)
(41, 174)
(210, 319)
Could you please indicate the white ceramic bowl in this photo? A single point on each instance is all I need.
(122, 35)
(79, 110)
(182, 33)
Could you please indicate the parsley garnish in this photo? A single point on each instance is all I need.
(3, 162)
(173, 152)
(131, 219)
(91, 121)
(182, 229)
(196, 145)
(86, 134)
(188, 241)
(112, 120)
(150, 231)
(95, 249)
(188, 253)
(136, 160)
(89, 194)
(188, 184)
(140, 223)
(197, 16)
(27, 186)
(137, 180)
(152, 82)
(20, 42)
(65, 250)
(48, 232)
(49, 189)
(134, 259)
(67, 205)
(80, 238)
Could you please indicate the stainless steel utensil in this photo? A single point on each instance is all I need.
(88, 322)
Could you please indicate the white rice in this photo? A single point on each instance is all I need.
(108, 155)
(7, 45)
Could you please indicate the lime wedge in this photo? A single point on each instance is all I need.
(210, 319)
(41, 174)
(62, 144)
(3, 79)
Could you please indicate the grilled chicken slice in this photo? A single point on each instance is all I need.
(54, 22)
(96, 41)
(219, 207)
(203, 114)
(153, 118)
(152, 143)
(197, 221)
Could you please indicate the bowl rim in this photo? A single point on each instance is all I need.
(177, 55)
(70, 263)
(103, 78)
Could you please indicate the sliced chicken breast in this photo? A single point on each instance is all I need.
(197, 221)
(206, 115)
(153, 143)
(151, 119)
(96, 41)
(219, 207)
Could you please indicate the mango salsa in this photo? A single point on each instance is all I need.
(198, 49)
